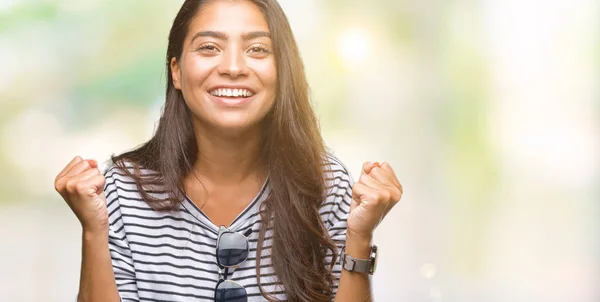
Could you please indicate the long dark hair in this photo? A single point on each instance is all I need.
(293, 152)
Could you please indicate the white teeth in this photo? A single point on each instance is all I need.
(232, 92)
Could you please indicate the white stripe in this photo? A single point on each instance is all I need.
(172, 253)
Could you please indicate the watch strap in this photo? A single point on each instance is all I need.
(352, 264)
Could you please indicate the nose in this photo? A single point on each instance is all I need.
(233, 64)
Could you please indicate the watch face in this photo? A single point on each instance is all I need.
(374, 256)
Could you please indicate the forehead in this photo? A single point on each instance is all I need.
(232, 17)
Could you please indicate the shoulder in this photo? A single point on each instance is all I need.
(124, 170)
(127, 176)
(339, 183)
(119, 181)
(122, 191)
(337, 176)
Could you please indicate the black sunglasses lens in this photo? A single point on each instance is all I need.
(228, 291)
(232, 249)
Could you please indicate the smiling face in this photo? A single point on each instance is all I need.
(226, 71)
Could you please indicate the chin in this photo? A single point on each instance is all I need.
(235, 126)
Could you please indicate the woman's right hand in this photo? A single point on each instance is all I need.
(81, 185)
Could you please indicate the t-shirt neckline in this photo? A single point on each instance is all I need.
(237, 221)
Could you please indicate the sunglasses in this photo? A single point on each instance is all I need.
(232, 250)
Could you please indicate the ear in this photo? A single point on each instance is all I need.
(175, 73)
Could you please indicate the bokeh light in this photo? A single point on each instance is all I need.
(354, 46)
(489, 112)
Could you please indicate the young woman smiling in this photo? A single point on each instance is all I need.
(235, 196)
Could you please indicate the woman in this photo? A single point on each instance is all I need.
(234, 198)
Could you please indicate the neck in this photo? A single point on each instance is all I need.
(226, 158)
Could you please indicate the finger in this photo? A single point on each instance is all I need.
(93, 163)
(382, 176)
(386, 167)
(79, 168)
(66, 169)
(386, 180)
(88, 174)
(60, 184)
(369, 181)
(387, 194)
(367, 166)
(73, 183)
(91, 186)
(373, 197)
(362, 193)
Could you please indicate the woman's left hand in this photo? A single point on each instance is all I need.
(373, 196)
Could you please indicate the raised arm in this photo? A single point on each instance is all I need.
(81, 185)
(373, 196)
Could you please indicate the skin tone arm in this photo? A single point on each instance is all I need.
(81, 185)
(97, 280)
(373, 196)
(355, 286)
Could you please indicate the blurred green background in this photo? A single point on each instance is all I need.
(488, 110)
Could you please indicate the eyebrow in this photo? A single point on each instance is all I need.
(223, 36)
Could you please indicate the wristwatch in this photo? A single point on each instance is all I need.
(352, 264)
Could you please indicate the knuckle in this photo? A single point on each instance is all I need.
(86, 164)
(362, 178)
(385, 195)
(57, 184)
(70, 185)
(80, 187)
(397, 194)
(373, 197)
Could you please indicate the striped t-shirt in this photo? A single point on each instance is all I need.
(170, 256)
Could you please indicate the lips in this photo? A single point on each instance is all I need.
(231, 92)
(232, 101)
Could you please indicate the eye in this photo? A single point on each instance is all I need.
(207, 47)
(258, 49)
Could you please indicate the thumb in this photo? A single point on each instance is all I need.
(368, 166)
(97, 183)
(99, 186)
(93, 163)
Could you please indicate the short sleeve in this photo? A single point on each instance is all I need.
(118, 245)
(336, 208)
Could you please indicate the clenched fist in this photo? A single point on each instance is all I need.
(81, 185)
(373, 196)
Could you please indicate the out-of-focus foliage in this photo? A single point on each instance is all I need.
(488, 111)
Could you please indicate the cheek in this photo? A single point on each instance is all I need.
(267, 73)
(196, 70)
